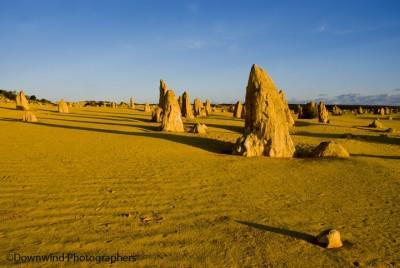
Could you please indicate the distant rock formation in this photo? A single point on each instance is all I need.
(336, 111)
(207, 105)
(330, 149)
(199, 110)
(266, 129)
(163, 91)
(29, 117)
(187, 111)
(238, 110)
(323, 115)
(21, 101)
(299, 111)
(310, 111)
(289, 117)
(147, 108)
(360, 110)
(63, 107)
(172, 120)
(131, 103)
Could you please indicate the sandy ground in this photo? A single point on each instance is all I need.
(86, 182)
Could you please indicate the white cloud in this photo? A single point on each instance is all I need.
(195, 44)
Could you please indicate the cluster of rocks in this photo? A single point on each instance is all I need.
(171, 110)
(265, 111)
(383, 111)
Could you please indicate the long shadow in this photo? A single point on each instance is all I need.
(118, 117)
(211, 145)
(377, 156)
(239, 129)
(294, 234)
(366, 128)
(152, 128)
(107, 112)
(6, 108)
(303, 124)
(368, 138)
(100, 117)
(220, 117)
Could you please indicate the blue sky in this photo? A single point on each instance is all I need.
(115, 49)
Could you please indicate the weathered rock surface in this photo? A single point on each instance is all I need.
(131, 103)
(323, 115)
(238, 110)
(29, 117)
(21, 101)
(207, 106)
(187, 111)
(63, 107)
(289, 117)
(330, 239)
(199, 128)
(163, 91)
(310, 111)
(266, 129)
(199, 110)
(336, 110)
(171, 120)
(330, 149)
(147, 108)
(157, 114)
(376, 124)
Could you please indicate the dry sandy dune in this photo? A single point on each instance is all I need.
(103, 180)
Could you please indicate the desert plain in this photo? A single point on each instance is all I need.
(103, 180)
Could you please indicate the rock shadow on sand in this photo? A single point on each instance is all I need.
(290, 233)
(207, 144)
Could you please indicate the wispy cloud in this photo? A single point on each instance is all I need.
(195, 44)
(324, 28)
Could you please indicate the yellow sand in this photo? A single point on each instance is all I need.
(81, 182)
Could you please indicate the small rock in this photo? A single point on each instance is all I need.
(199, 128)
(376, 124)
(330, 149)
(330, 239)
